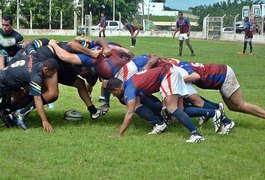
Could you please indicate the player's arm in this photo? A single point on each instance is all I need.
(131, 106)
(188, 24)
(75, 46)
(103, 43)
(176, 30)
(63, 54)
(192, 77)
(153, 60)
(45, 123)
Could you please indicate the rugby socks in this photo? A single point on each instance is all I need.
(106, 96)
(186, 121)
(133, 42)
(195, 112)
(92, 109)
(245, 46)
(155, 106)
(146, 113)
(250, 46)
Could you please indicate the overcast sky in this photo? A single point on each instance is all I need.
(185, 4)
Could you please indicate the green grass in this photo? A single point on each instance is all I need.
(85, 150)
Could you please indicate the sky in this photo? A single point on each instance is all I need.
(185, 4)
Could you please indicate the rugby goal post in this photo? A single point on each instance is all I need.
(213, 27)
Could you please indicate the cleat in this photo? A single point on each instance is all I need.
(166, 116)
(101, 99)
(97, 114)
(158, 129)
(179, 55)
(221, 108)
(195, 139)
(251, 54)
(226, 128)
(19, 119)
(217, 120)
(193, 54)
(241, 53)
(202, 120)
(105, 108)
(132, 46)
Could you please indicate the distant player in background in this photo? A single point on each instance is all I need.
(248, 37)
(9, 41)
(183, 25)
(134, 30)
(102, 25)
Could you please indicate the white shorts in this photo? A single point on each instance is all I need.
(191, 89)
(248, 40)
(183, 37)
(173, 83)
(135, 33)
(231, 84)
(127, 71)
(102, 28)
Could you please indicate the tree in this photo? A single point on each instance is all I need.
(231, 9)
(40, 11)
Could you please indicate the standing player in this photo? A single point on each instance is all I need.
(102, 25)
(134, 31)
(248, 37)
(9, 41)
(161, 79)
(183, 25)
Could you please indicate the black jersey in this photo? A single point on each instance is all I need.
(21, 73)
(10, 42)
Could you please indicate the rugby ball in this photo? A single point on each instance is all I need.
(73, 115)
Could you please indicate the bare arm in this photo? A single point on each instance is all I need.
(63, 54)
(75, 46)
(151, 62)
(128, 116)
(103, 43)
(177, 29)
(45, 123)
(192, 77)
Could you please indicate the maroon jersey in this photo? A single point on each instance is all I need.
(212, 76)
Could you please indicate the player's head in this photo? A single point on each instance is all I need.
(180, 14)
(102, 14)
(49, 67)
(7, 24)
(115, 86)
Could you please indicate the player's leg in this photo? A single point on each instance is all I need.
(237, 103)
(250, 46)
(180, 47)
(103, 31)
(187, 40)
(245, 46)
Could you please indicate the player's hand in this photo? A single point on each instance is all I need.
(96, 53)
(47, 127)
(52, 42)
(26, 42)
(107, 52)
(188, 34)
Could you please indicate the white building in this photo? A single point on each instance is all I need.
(155, 9)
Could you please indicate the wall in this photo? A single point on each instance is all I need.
(194, 34)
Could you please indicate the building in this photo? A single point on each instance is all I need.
(154, 9)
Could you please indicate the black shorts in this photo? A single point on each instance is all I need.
(66, 74)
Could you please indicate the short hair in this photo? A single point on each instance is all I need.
(113, 83)
(180, 12)
(51, 64)
(8, 18)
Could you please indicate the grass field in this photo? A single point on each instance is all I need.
(85, 150)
